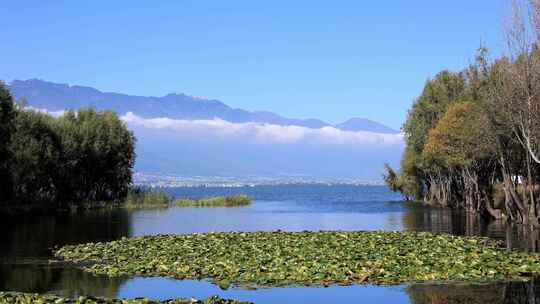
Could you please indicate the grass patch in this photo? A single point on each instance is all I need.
(307, 258)
(218, 201)
(28, 298)
(147, 198)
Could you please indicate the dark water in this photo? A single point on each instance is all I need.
(27, 241)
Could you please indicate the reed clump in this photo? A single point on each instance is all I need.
(218, 201)
(147, 198)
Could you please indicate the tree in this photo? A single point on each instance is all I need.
(477, 130)
(98, 156)
(7, 116)
(35, 150)
(438, 93)
(520, 78)
(82, 156)
(463, 144)
(462, 137)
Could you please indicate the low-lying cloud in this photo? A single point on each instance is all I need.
(264, 133)
(219, 147)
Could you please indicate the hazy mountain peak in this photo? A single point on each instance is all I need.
(363, 124)
(55, 97)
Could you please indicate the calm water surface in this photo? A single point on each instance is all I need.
(25, 248)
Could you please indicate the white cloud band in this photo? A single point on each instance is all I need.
(264, 133)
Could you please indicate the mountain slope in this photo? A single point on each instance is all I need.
(55, 97)
(362, 124)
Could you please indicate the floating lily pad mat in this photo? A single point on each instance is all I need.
(28, 298)
(257, 259)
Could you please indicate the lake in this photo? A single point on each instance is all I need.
(27, 243)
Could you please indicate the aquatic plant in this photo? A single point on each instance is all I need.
(218, 201)
(28, 298)
(146, 198)
(252, 259)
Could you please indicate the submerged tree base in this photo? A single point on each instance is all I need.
(27, 298)
(259, 259)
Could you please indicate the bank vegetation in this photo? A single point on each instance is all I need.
(216, 201)
(51, 162)
(473, 136)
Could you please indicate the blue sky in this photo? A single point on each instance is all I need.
(325, 59)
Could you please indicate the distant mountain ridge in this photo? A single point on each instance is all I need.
(55, 97)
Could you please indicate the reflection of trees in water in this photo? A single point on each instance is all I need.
(522, 292)
(441, 220)
(69, 282)
(518, 236)
(34, 236)
(26, 248)
(501, 293)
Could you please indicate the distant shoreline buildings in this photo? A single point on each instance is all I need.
(161, 180)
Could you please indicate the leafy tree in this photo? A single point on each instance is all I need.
(99, 154)
(36, 151)
(463, 144)
(7, 116)
(83, 156)
(438, 93)
(461, 138)
(471, 132)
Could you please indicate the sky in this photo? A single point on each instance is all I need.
(331, 60)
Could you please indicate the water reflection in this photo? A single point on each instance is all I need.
(259, 217)
(460, 223)
(27, 242)
(25, 249)
(33, 236)
(64, 281)
(507, 293)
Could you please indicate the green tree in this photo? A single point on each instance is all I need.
(82, 156)
(438, 93)
(462, 136)
(463, 145)
(98, 156)
(35, 150)
(7, 116)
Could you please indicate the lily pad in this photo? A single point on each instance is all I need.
(30, 298)
(258, 259)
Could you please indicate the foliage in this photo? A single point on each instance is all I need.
(27, 298)
(465, 137)
(83, 156)
(391, 178)
(146, 198)
(35, 155)
(438, 93)
(447, 87)
(218, 201)
(458, 152)
(98, 156)
(7, 115)
(461, 137)
(284, 258)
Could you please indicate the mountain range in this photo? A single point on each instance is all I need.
(55, 97)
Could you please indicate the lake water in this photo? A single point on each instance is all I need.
(27, 242)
